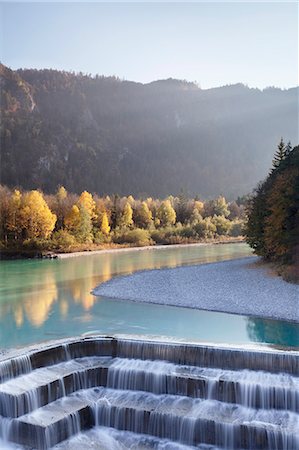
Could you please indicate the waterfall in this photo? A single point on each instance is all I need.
(128, 393)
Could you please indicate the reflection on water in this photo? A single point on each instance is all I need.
(273, 331)
(44, 299)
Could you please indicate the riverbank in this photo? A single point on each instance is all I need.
(108, 248)
(242, 286)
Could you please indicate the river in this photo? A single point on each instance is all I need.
(42, 300)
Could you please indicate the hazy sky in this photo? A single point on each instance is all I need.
(212, 43)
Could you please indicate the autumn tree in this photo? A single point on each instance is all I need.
(205, 228)
(143, 217)
(86, 200)
(105, 228)
(78, 223)
(72, 219)
(196, 214)
(126, 217)
(166, 214)
(218, 207)
(37, 220)
(223, 225)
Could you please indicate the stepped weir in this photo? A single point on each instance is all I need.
(120, 393)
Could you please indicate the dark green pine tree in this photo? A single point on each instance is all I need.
(279, 155)
(288, 149)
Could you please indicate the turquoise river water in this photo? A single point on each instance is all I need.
(49, 299)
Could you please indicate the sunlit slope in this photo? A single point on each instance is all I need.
(108, 135)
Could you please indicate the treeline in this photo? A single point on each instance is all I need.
(65, 222)
(272, 229)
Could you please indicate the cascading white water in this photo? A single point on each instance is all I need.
(73, 394)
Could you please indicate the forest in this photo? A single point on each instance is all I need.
(107, 135)
(272, 228)
(34, 222)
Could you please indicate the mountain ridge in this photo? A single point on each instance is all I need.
(108, 135)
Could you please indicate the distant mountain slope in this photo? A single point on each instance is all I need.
(107, 135)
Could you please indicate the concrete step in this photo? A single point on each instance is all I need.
(28, 392)
(180, 419)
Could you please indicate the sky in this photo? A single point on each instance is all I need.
(212, 43)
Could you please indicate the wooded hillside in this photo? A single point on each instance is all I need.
(112, 136)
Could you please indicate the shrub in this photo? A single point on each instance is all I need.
(101, 238)
(205, 229)
(222, 225)
(63, 240)
(37, 244)
(138, 237)
(187, 232)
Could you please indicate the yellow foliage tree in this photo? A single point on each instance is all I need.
(166, 214)
(78, 223)
(37, 219)
(131, 200)
(72, 219)
(105, 228)
(86, 200)
(199, 206)
(126, 218)
(61, 194)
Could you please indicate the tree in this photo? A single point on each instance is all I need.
(235, 211)
(61, 194)
(13, 219)
(279, 155)
(272, 229)
(72, 220)
(196, 212)
(257, 212)
(114, 211)
(217, 207)
(166, 214)
(181, 209)
(61, 205)
(223, 225)
(288, 149)
(89, 204)
(126, 217)
(105, 228)
(282, 203)
(78, 223)
(84, 233)
(36, 217)
(143, 217)
(205, 228)
(4, 212)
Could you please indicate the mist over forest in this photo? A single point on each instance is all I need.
(108, 135)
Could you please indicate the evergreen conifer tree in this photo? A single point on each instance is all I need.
(279, 155)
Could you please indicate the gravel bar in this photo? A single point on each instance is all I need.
(239, 286)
